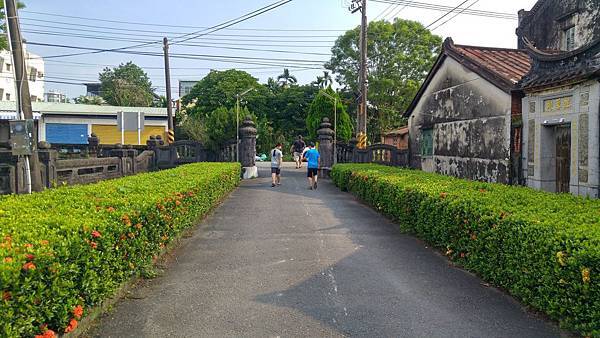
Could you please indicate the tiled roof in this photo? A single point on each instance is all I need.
(400, 131)
(508, 64)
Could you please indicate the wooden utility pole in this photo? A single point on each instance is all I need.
(23, 97)
(171, 135)
(362, 110)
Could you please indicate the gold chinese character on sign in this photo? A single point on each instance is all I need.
(548, 105)
(557, 104)
(566, 102)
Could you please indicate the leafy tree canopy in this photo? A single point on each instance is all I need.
(126, 85)
(322, 106)
(3, 32)
(400, 55)
(97, 100)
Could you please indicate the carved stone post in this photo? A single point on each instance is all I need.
(247, 148)
(93, 143)
(325, 134)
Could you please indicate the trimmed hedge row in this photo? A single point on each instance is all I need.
(66, 249)
(543, 248)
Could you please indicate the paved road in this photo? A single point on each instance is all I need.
(288, 261)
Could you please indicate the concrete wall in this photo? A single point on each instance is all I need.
(579, 108)
(470, 118)
(545, 27)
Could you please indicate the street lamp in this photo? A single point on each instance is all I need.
(237, 119)
(334, 125)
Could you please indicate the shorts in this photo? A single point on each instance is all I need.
(312, 172)
(297, 156)
(276, 171)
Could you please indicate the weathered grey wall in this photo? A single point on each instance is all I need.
(582, 114)
(546, 25)
(470, 118)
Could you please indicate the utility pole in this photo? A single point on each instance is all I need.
(361, 5)
(171, 135)
(24, 110)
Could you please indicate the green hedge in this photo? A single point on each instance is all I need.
(67, 249)
(543, 248)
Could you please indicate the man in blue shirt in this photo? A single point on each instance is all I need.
(312, 157)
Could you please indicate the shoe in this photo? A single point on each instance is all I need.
(315, 185)
(272, 185)
(278, 183)
(310, 188)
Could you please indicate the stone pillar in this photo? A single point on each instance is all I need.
(325, 134)
(93, 144)
(247, 148)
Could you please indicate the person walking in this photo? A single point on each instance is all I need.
(313, 158)
(297, 149)
(276, 162)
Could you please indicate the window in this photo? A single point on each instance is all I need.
(33, 98)
(1, 65)
(1, 93)
(32, 74)
(7, 96)
(427, 142)
(569, 38)
(8, 67)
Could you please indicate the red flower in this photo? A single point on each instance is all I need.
(29, 257)
(6, 295)
(28, 266)
(96, 234)
(46, 334)
(78, 311)
(72, 326)
(94, 245)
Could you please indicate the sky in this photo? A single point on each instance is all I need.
(304, 29)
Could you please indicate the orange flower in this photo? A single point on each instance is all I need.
(44, 242)
(585, 275)
(72, 326)
(46, 334)
(96, 234)
(28, 266)
(126, 220)
(110, 209)
(78, 311)
(177, 203)
(94, 245)
(28, 245)
(131, 235)
(138, 226)
(8, 259)
(443, 195)
(6, 295)
(473, 236)
(29, 257)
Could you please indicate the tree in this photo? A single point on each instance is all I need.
(286, 78)
(3, 32)
(400, 55)
(322, 106)
(219, 89)
(126, 85)
(96, 100)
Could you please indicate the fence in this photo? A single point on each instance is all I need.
(376, 153)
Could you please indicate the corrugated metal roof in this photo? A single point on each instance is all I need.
(509, 64)
(72, 108)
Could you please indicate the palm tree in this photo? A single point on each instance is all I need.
(327, 81)
(286, 78)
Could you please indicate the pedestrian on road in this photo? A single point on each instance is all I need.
(297, 149)
(313, 158)
(276, 161)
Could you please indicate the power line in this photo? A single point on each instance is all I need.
(455, 15)
(225, 24)
(395, 14)
(174, 26)
(446, 14)
(442, 8)
(157, 33)
(185, 44)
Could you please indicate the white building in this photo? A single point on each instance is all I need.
(35, 73)
(55, 97)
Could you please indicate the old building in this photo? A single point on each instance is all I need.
(397, 138)
(560, 107)
(35, 74)
(461, 120)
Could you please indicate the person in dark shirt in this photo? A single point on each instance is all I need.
(297, 149)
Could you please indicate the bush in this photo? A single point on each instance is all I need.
(66, 249)
(543, 248)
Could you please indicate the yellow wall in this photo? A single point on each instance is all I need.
(109, 134)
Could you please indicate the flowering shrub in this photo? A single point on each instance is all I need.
(543, 248)
(66, 249)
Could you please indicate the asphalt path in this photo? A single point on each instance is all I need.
(291, 262)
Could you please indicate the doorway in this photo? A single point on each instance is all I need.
(563, 158)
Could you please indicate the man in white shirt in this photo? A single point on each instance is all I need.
(276, 162)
